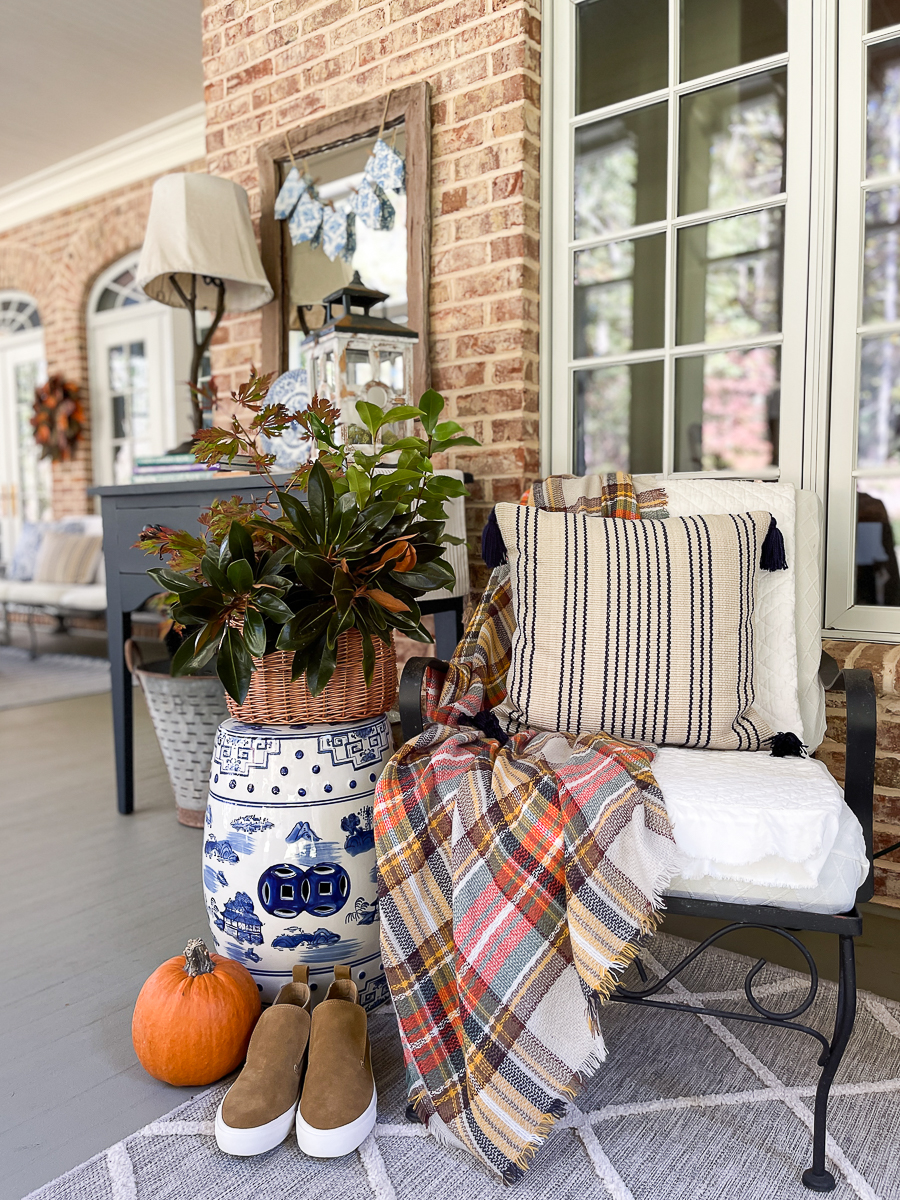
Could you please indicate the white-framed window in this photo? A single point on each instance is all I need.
(721, 207)
(140, 353)
(25, 478)
(863, 576)
(679, 225)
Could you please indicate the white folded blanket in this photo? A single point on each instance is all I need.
(749, 817)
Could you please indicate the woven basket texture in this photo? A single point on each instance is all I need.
(274, 700)
(186, 712)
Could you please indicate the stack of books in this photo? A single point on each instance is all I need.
(169, 468)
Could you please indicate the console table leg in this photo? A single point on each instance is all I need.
(119, 630)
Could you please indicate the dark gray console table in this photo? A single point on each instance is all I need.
(125, 511)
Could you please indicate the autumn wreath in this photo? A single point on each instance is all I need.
(58, 418)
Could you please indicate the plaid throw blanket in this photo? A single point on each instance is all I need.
(516, 877)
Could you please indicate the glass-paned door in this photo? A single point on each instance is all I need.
(125, 372)
(864, 510)
(671, 216)
(25, 478)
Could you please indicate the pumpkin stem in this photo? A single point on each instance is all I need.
(196, 958)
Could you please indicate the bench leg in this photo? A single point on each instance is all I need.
(32, 635)
(7, 638)
(817, 1178)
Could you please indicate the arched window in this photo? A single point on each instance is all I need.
(25, 479)
(139, 363)
(18, 313)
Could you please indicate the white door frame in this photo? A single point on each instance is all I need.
(167, 334)
(15, 350)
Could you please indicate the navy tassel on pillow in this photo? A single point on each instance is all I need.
(786, 745)
(772, 557)
(493, 548)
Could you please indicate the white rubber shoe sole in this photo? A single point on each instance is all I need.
(332, 1143)
(246, 1142)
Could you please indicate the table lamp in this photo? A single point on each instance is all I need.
(200, 252)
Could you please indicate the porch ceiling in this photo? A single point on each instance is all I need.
(77, 73)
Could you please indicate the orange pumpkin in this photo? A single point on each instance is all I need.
(194, 1017)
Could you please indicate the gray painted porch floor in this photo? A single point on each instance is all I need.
(93, 902)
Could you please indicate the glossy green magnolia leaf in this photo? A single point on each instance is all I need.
(446, 429)
(371, 415)
(298, 514)
(432, 405)
(173, 581)
(214, 574)
(400, 412)
(304, 627)
(240, 543)
(240, 575)
(445, 485)
(272, 606)
(183, 658)
(255, 632)
(322, 661)
(338, 623)
(234, 666)
(321, 499)
(314, 572)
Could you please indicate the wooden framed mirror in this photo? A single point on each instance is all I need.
(334, 150)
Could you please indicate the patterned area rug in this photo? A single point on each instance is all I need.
(685, 1108)
(25, 681)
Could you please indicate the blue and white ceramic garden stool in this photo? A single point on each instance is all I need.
(289, 852)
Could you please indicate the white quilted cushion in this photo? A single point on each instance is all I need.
(843, 871)
(751, 817)
(777, 696)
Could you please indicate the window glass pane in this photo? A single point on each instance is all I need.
(731, 143)
(726, 411)
(622, 50)
(620, 172)
(729, 277)
(877, 541)
(620, 297)
(883, 110)
(879, 401)
(618, 418)
(717, 34)
(881, 256)
(883, 13)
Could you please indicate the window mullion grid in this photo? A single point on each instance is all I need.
(668, 413)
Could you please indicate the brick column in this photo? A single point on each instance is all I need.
(882, 660)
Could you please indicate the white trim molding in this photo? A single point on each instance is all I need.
(160, 146)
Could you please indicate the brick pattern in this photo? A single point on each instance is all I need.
(273, 64)
(56, 260)
(882, 661)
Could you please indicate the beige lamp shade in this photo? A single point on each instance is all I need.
(200, 225)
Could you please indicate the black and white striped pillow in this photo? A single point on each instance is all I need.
(639, 629)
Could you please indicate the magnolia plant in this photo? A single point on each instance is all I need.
(350, 541)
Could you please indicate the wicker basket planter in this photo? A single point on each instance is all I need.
(274, 700)
(186, 712)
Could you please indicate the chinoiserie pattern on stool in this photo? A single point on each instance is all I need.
(289, 869)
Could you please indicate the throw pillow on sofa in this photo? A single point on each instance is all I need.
(639, 629)
(67, 558)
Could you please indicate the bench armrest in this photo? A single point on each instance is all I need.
(411, 699)
(859, 772)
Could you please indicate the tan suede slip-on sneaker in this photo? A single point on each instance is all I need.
(258, 1109)
(337, 1108)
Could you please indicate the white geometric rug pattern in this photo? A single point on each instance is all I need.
(709, 1143)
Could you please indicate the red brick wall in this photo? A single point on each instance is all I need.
(273, 64)
(884, 663)
(56, 259)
